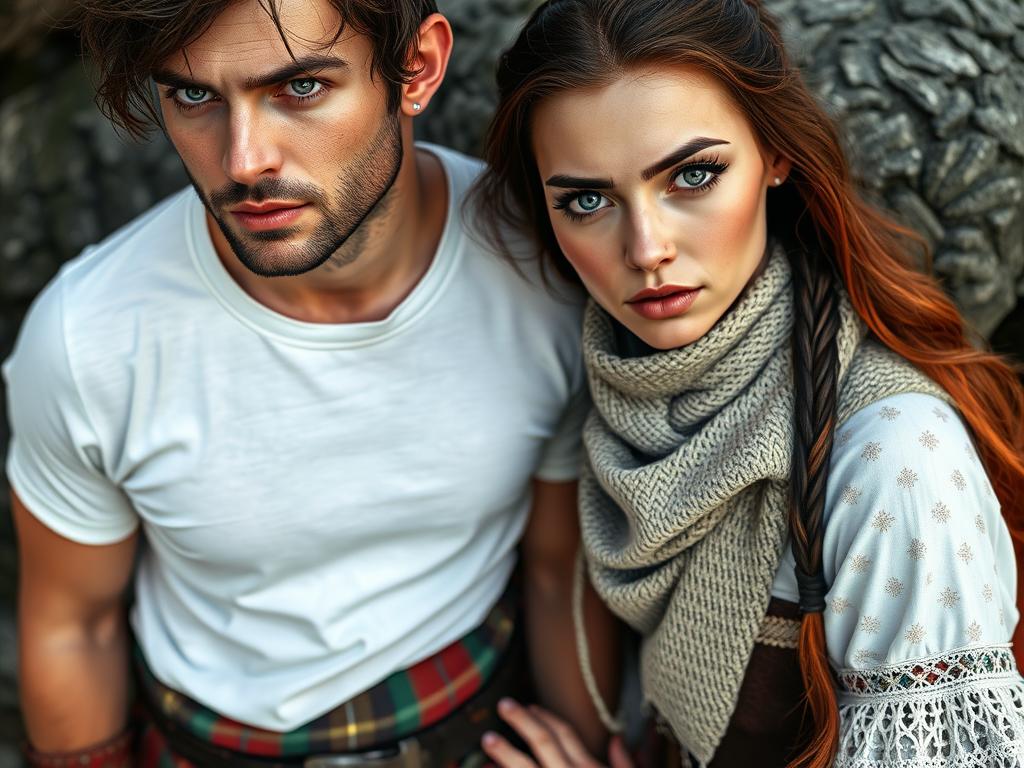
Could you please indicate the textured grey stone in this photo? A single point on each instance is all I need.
(1018, 45)
(923, 49)
(955, 165)
(928, 93)
(997, 18)
(981, 50)
(955, 113)
(955, 12)
(915, 213)
(1007, 190)
(860, 67)
(816, 12)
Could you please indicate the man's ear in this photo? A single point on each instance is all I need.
(435, 47)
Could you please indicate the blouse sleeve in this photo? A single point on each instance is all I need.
(921, 605)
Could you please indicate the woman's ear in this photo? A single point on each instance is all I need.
(778, 168)
(435, 47)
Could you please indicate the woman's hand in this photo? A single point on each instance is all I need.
(553, 742)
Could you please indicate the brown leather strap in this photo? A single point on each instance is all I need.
(117, 752)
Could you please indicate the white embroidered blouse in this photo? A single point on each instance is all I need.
(922, 594)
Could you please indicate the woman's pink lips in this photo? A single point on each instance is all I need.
(666, 305)
(273, 218)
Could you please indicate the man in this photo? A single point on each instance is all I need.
(324, 403)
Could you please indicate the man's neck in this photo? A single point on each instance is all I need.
(392, 253)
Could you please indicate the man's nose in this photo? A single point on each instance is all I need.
(252, 150)
(650, 244)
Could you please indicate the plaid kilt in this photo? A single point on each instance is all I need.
(402, 704)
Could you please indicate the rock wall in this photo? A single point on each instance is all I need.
(930, 94)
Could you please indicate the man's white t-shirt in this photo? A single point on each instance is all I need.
(322, 504)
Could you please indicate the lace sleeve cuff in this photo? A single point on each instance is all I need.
(959, 709)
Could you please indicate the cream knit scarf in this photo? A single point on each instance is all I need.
(684, 499)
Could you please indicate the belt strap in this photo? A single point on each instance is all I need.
(443, 744)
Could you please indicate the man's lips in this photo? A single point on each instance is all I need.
(663, 302)
(260, 217)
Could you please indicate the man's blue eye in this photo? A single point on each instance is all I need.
(195, 94)
(304, 87)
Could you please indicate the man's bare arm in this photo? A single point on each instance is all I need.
(72, 636)
(549, 552)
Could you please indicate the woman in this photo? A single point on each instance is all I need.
(794, 442)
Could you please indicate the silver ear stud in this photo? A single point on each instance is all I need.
(778, 181)
(416, 106)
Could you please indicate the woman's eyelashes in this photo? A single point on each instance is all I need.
(693, 178)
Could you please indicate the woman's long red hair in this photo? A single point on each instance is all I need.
(585, 43)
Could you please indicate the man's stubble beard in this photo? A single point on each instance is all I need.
(362, 196)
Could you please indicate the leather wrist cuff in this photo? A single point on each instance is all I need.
(113, 753)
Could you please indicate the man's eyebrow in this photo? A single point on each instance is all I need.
(575, 182)
(691, 147)
(305, 65)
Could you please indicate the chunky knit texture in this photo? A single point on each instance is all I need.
(685, 494)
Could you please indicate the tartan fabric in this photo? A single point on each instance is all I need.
(407, 701)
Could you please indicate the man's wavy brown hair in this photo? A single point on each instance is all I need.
(128, 39)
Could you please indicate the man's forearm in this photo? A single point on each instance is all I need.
(73, 681)
(553, 653)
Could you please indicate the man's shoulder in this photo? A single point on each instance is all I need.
(513, 266)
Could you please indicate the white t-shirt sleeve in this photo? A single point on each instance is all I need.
(922, 581)
(563, 453)
(55, 462)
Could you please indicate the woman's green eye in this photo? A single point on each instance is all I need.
(694, 177)
(589, 201)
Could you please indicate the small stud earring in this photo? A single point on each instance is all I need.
(778, 181)
(416, 106)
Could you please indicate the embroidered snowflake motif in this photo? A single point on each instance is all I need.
(958, 480)
(839, 604)
(864, 656)
(870, 624)
(889, 414)
(949, 597)
(974, 632)
(941, 414)
(915, 634)
(916, 549)
(871, 451)
(965, 553)
(928, 440)
(986, 592)
(979, 523)
(844, 438)
(860, 563)
(893, 587)
(883, 521)
(851, 495)
(941, 512)
(907, 478)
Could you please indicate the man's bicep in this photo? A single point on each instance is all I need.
(552, 533)
(61, 579)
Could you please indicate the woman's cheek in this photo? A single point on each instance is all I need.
(587, 256)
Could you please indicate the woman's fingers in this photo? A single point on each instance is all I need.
(617, 754)
(566, 737)
(543, 742)
(503, 753)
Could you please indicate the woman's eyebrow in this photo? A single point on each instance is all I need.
(573, 182)
(691, 147)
